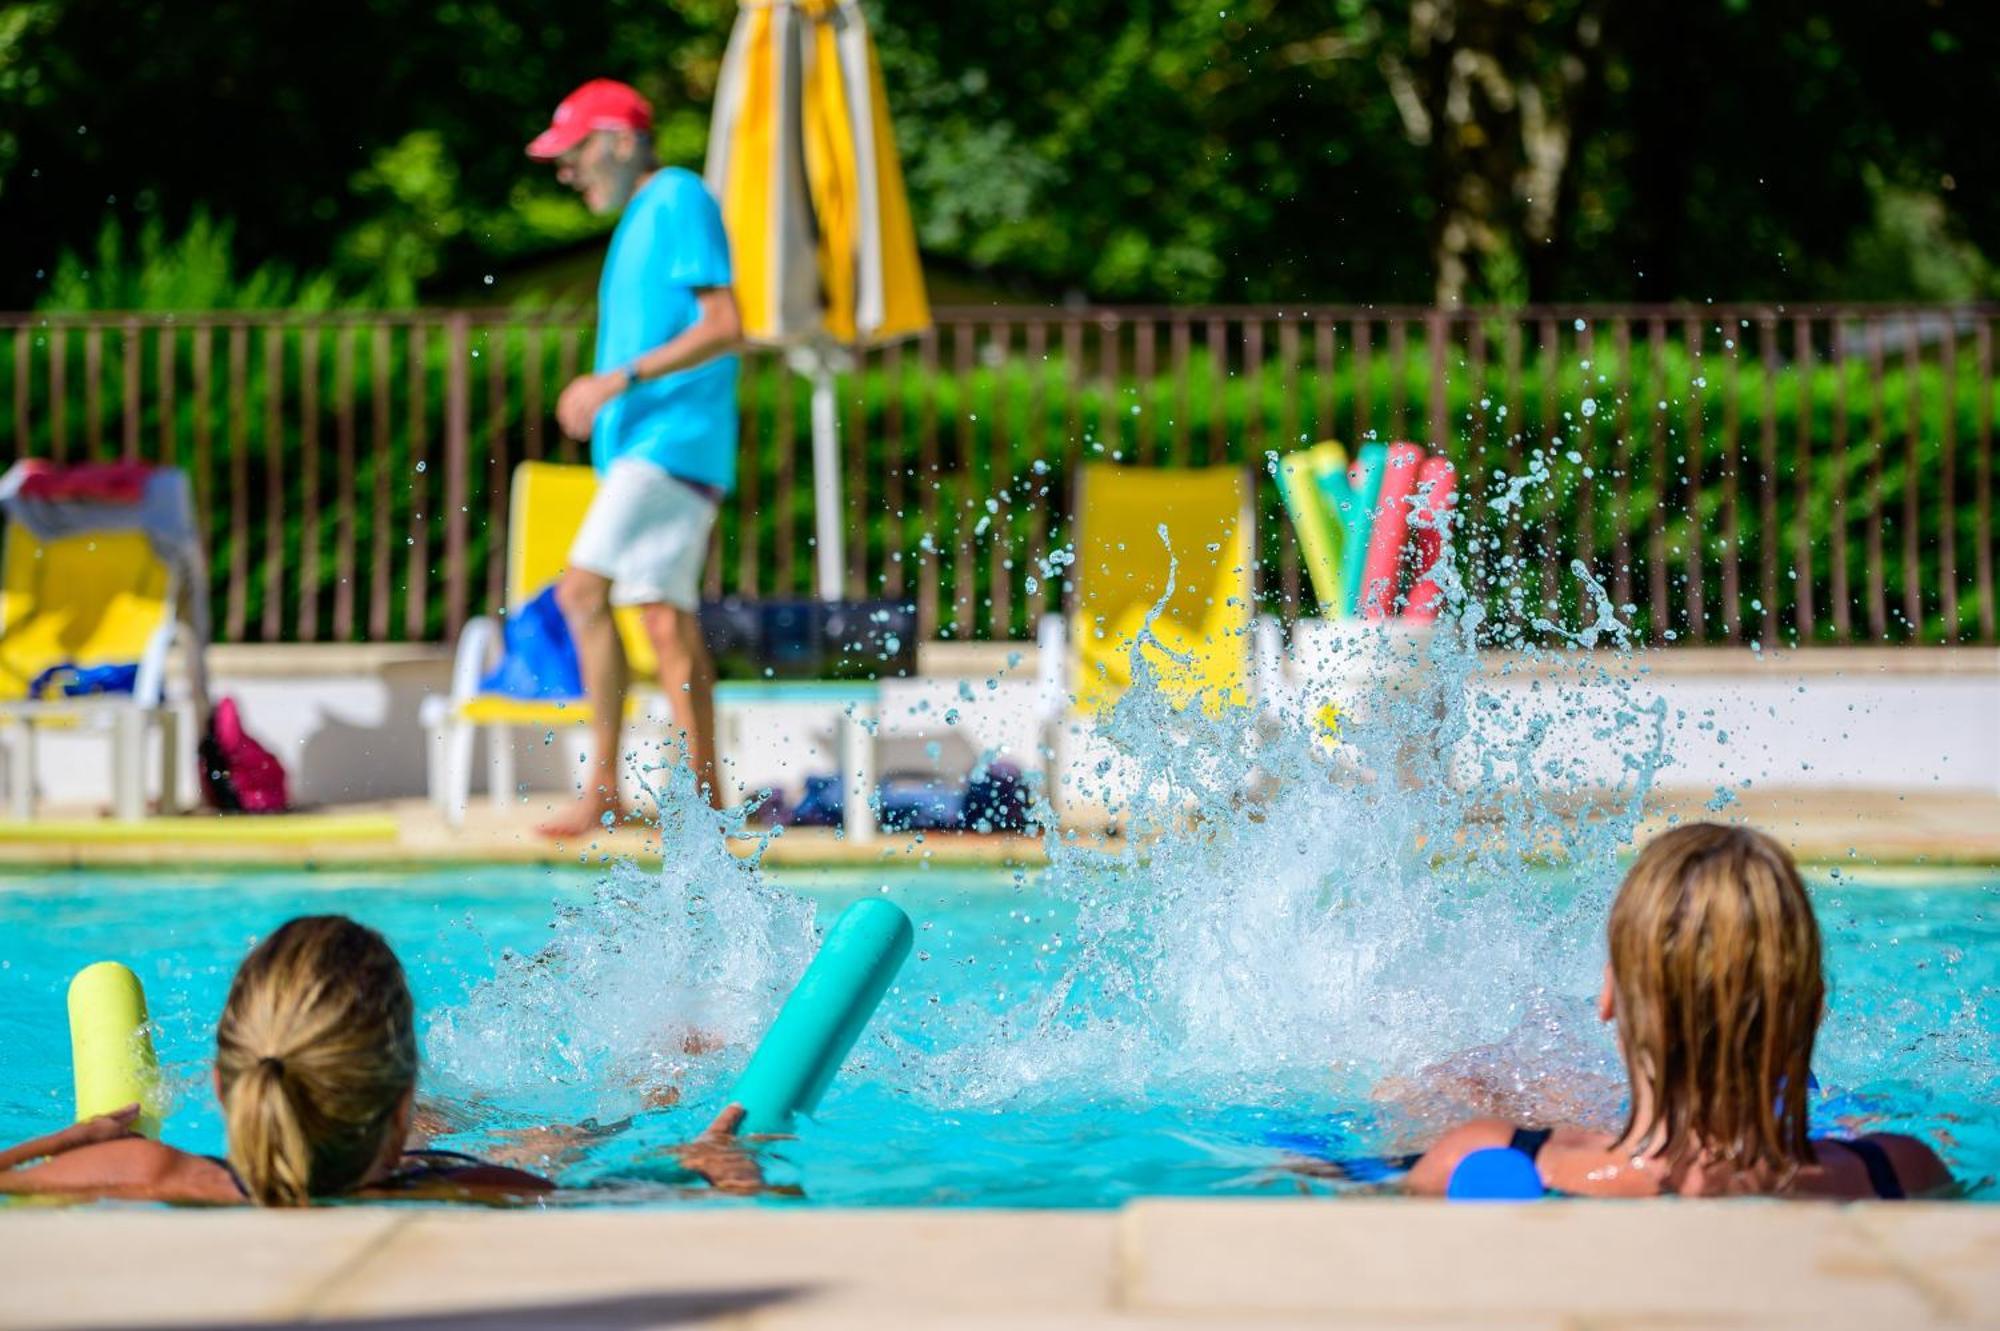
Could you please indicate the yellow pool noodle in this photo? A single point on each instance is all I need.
(110, 1049)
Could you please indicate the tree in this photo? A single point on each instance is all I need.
(1180, 150)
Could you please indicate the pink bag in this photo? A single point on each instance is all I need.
(239, 775)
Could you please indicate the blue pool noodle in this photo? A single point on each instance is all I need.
(1354, 506)
(1496, 1174)
(824, 1016)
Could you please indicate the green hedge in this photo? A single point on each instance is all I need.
(1007, 430)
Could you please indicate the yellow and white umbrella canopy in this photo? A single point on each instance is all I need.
(802, 157)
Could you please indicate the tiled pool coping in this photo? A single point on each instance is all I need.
(1373, 1263)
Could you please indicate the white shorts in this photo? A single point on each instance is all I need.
(648, 533)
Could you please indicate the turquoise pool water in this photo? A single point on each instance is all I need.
(1020, 1060)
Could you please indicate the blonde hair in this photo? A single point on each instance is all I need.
(1715, 965)
(315, 1051)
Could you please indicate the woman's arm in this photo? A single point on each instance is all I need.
(103, 1158)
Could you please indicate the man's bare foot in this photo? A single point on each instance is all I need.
(587, 817)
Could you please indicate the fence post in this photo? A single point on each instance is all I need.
(457, 428)
(129, 421)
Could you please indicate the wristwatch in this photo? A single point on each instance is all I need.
(631, 376)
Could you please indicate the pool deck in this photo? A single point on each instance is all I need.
(1821, 826)
(1380, 1263)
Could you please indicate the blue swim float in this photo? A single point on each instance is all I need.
(1496, 1174)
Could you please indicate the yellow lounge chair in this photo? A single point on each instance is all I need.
(545, 509)
(90, 599)
(1138, 529)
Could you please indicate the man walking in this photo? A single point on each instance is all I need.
(659, 411)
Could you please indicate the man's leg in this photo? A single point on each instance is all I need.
(585, 598)
(687, 677)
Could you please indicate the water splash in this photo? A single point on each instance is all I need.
(1287, 914)
(636, 986)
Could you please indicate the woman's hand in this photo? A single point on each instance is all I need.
(718, 1155)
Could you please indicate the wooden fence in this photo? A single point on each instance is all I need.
(1785, 474)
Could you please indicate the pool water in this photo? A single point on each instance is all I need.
(992, 1077)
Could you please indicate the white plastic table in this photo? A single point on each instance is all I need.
(859, 707)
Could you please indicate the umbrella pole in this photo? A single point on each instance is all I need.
(828, 516)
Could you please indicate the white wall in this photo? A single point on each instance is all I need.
(344, 721)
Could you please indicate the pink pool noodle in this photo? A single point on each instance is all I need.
(1382, 572)
(1440, 483)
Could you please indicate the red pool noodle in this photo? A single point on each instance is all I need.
(1381, 574)
(1425, 596)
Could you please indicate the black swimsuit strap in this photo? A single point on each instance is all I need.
(230, 1170)
(1530, 1141)
(1881, 1171)
(429, 1164)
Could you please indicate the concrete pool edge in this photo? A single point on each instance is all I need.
(1834, 828)
(1372, 1262)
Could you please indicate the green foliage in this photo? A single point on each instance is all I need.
(195, 270)
(1179, 150)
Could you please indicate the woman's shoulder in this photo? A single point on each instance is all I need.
(1570, 1158)
(1845, 1171)
(1918, 1168)
(128, 1167)
(450, 1175)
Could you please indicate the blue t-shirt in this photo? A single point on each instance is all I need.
(669, 243)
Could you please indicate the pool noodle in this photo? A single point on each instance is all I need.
(824, 1016)
(1438, 483)
(110, 1050)
(1319, 537)
(1351, 492)
(1382, 569)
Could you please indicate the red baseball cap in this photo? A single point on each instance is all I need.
(598, 104)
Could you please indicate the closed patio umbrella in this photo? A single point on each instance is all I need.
(803, 160)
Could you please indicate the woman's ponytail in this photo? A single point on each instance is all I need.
(267, 1141)
(315, 1053)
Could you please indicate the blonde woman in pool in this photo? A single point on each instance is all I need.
(316, 1068)
(1715, 989)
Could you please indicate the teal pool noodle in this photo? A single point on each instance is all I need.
(824, 1016)
(1354, 505)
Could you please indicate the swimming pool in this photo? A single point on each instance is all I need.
(1019, 1060)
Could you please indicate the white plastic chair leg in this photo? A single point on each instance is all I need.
(457, 771)
(21, 787)
(500, 765)
(128, 784)
(1053, 766)
(169, 721)
(431, 716)
(857, 767)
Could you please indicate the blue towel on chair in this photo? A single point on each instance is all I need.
(70, 680)
(538, 657)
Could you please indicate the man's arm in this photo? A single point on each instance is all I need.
(716, 331)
